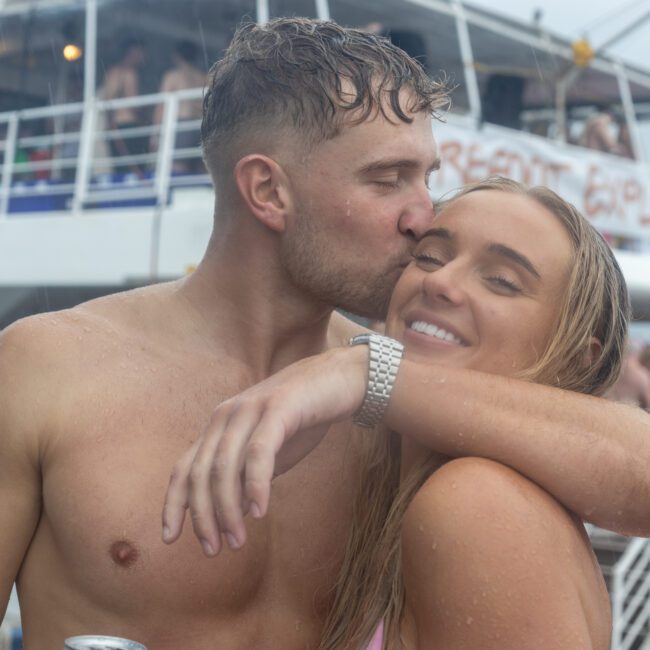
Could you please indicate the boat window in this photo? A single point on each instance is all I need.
(32, 67)
(513, 77)
(306, 8)
(159, 25)
(595, 115)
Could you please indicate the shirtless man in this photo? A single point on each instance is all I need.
(121, 81)
(183, 76)
(316, 205)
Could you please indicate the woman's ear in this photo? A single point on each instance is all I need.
(593, 351)
(264, 187)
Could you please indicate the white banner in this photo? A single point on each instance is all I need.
(612, 192)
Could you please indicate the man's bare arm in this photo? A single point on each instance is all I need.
(592, 454)
(21, 394)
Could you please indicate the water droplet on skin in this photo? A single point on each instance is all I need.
(434, 546)
(421, 527)
(454, 485)
(469, 620)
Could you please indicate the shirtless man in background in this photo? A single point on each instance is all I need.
(320, 199)
(122, 81)
(183, 76)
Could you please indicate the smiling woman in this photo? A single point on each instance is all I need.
(509, 281)
(449, 553)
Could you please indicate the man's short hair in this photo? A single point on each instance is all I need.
(306, 75)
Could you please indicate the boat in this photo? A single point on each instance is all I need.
(77, 222)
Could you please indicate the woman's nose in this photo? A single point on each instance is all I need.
(444, 285)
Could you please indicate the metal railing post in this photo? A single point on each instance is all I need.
(89, 119)
(473, 94)
(166, 149)
(84, 159)
(262, 11)
(630, 114)
(322, 9)
(8, 165)
(90, 54)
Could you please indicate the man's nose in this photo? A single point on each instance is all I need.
(417, 218)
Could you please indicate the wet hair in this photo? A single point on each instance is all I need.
(187, 51)
(310, 77)
(596, 303)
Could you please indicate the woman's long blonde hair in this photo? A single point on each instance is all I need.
(596, 304)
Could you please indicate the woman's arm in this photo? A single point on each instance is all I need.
(592, 455)
(491, 561)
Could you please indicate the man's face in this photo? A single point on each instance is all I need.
(361, 204)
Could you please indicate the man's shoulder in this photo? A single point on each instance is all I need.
(58, 337)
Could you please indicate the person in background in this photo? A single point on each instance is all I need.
(184, 75)
(633, 384)
(122, 81)
(603, 132)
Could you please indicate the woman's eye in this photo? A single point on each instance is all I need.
(504, 283)
(428, 259)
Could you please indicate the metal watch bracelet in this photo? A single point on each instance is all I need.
(384, 356)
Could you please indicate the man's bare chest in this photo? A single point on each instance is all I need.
(104, 480)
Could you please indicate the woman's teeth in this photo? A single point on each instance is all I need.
(435, 331)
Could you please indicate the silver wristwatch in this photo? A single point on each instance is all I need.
(384, 358)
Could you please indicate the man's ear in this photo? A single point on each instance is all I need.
(263, 185)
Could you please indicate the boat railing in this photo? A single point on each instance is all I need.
(66, 157)
(630, 596)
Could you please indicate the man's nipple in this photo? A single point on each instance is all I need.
(123, 553)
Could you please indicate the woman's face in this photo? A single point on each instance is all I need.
(485, 286)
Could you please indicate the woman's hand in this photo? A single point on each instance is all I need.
(252, 437)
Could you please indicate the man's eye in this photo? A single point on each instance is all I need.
(388, 183)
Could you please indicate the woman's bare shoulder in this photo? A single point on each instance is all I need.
(491, 560)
